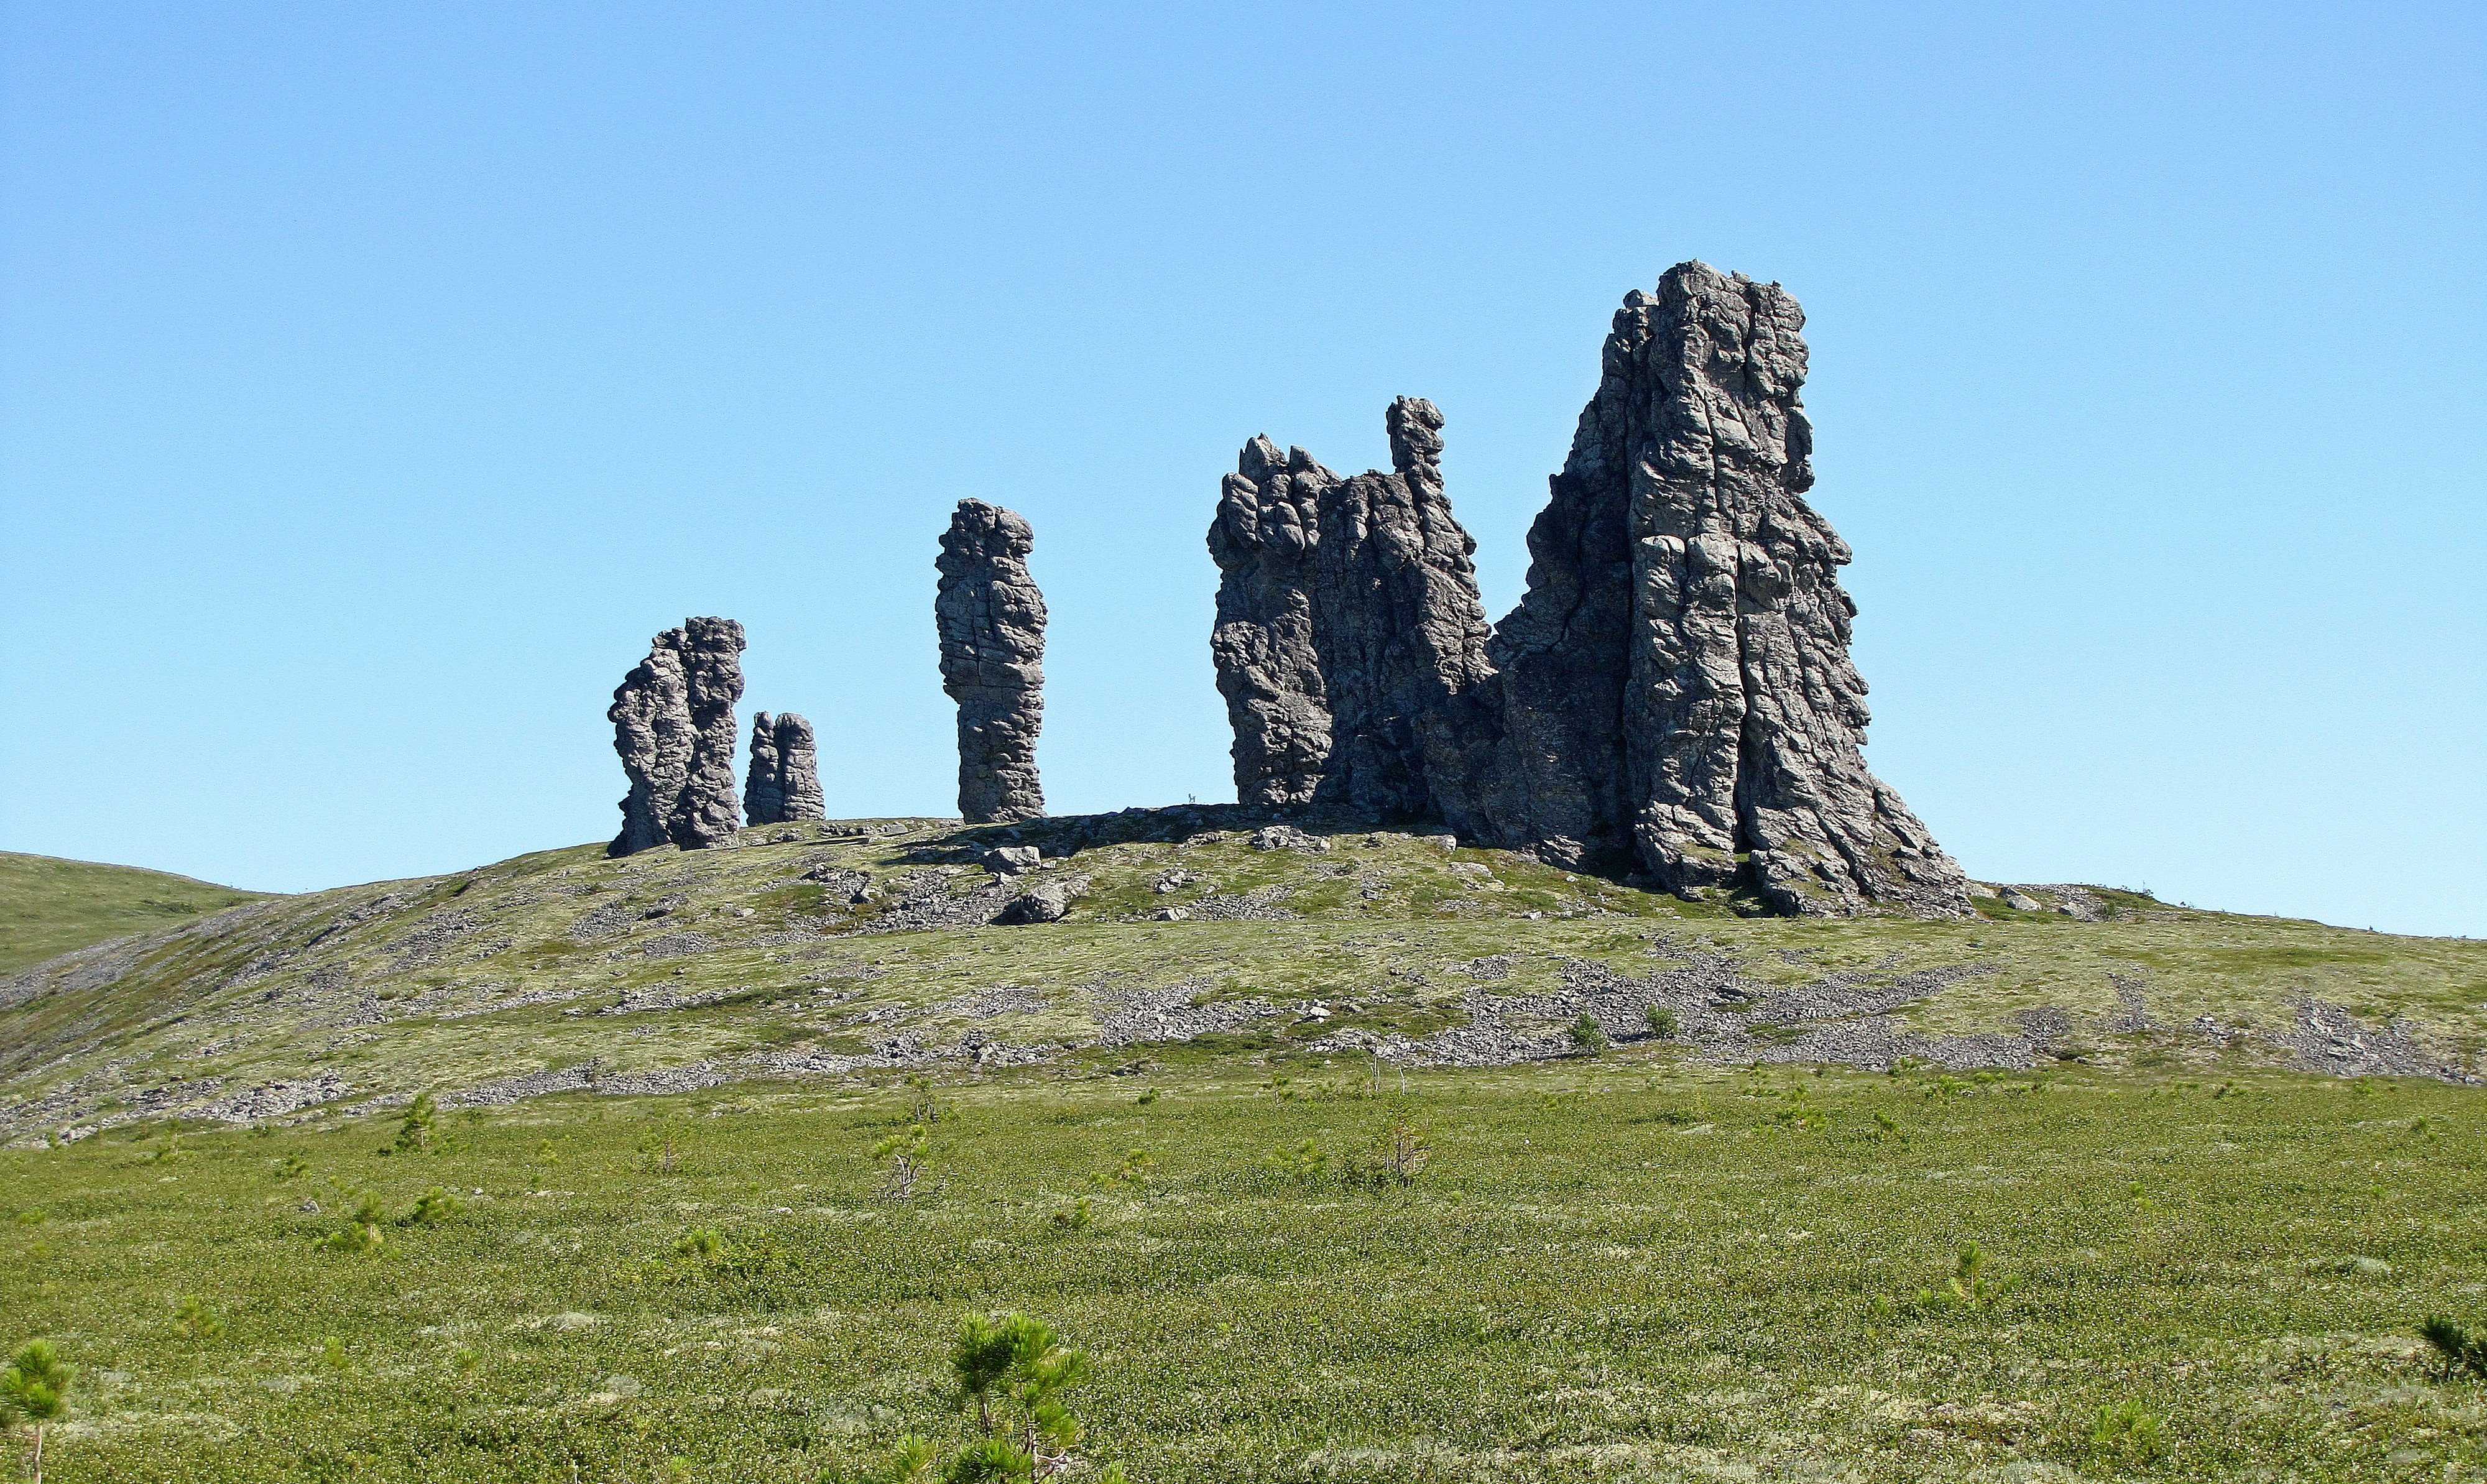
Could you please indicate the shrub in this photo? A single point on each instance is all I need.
(432, 1207)
(1587, 1037)
(1018, 1374)
(1969, 1288)
(2125, 1434)
(414, 1131)
(1074, 1217)
(1404, 1152)
(1663, 1023)
(2456, 1348)
(35, 1387)
(199, 1321)
(1302, 1162)
(904, 1153)
(358, 1227)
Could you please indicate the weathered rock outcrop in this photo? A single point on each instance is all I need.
(673, 725)
(992, 622)
(1349, 642)
(1674, 692)
(784, 782)
(1728, 718)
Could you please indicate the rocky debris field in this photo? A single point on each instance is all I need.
(846, 948)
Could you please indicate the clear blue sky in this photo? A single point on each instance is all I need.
(376, 379)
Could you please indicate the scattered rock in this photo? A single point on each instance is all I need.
(1286, 837)
(1046, 903)
(1010, 860)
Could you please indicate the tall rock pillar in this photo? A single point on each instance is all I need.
(1677, 679)
(1351, 642)
(783, 785)
(673, 726)
(992, 623)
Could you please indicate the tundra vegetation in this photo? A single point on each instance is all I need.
(693, 1165)
(1632, 1266)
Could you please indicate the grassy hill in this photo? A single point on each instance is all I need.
(48, 907)
(1350, 1155)
(830, 950)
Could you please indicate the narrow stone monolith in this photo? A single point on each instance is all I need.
(783, 785)
(673, 725)
(992, 623)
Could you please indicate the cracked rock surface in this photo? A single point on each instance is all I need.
(991, 623)
(783, 786)
(673, 725)
(1350, 641)
(1673, 695)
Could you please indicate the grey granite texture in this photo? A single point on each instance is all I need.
(992, 622)
(783, 786)
(1673, 697)
(673, 725)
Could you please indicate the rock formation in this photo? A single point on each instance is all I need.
(784, 783)
(992, 622)
(1673, 693)
(673, 724)
(1349, 642)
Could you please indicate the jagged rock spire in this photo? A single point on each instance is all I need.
(783, 785)
(991, 623)
(1349, 639)
(673, 725)
(1673, 694)
(1678, 676)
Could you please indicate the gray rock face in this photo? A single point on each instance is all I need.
(783, 785)
(1674, 692)
(992, 622)
(1349, 642)
(1737, 716)
(673, 725)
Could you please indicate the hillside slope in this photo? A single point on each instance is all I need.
(831, 950)
(50, 907)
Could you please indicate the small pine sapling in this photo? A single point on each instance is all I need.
(2125, 1434)
(196, 1319)
(432, 1207)
(1018, 1374)
(701, 1245)
(922, 1107)
(358, 1230)
(1302, 1162)
(1969, 1288)
(1406, 1149)
(1133, 1173)
(1074, 1217)
(2456, 1348)
(904, 1153)
(35, 1388)
(414, 1131)
(1586, 1036)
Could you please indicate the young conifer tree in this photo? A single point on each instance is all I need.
(34, 1385)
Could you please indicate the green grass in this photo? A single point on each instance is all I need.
(48, 907)
(449, 982)
(1636, 1269)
